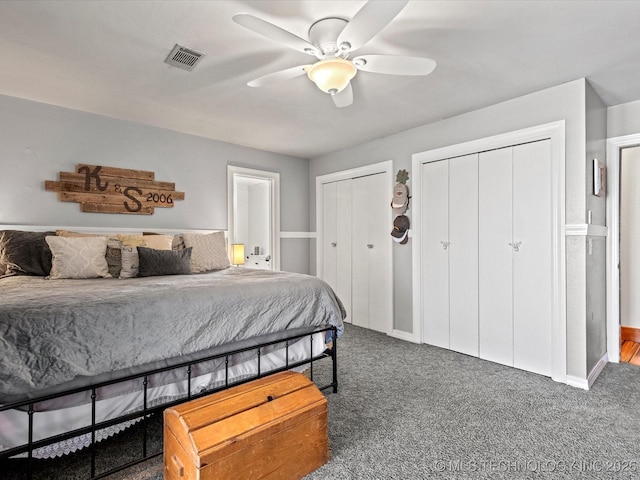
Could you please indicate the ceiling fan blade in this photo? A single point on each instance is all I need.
(274, 32)
(395, 65)
(343, 98)
(367, 23)
(287, 74)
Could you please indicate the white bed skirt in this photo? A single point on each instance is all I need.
(14, 423)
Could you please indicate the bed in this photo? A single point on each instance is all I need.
(83, 358)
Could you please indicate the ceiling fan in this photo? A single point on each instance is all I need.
(332, 40)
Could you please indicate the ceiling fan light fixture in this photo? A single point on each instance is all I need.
(332, 75)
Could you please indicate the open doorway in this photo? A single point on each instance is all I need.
(630, 255)
(619, 286)
(254, 215)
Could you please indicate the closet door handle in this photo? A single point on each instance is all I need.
(369, 245)
(515, 246)
(445, 245)
(334, 244)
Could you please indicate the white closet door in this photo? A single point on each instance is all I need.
(329, 233)
(360, 254)
(495, 256)
(463, 254)
(343, 240)
(532, 263)
(435, 253)
(380, 307)
(356, 249)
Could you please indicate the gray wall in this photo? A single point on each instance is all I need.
(623, 119)
(563, 102)
(596, 318)
(37, 141)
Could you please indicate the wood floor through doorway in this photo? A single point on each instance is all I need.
(630, 352)
(630, 345)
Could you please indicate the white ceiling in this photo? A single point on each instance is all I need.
(107, 57)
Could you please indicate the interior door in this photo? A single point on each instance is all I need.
(330, 232)
(495, 256)
(532, 263)
(377, 248)
(343, 214)
(435, 253)
(371, 277)
(359, 252)
(463, 254)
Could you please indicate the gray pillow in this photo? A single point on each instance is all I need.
(209, 251)
(24, 253)
(154, 262)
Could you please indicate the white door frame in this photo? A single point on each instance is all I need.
(385, 168)
(614, 146)
(554, 131)
(274, 191)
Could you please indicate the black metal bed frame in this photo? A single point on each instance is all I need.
(147, 412)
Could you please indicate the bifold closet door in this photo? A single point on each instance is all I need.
(515, 256)
(336, 224)
(343, 237)
(495, 213)
(533, 261)
(463, 254)
(371, 275)
(435, 253)
(330, 232)
(380, 274)
(450, 253)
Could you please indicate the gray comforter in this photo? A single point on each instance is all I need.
(56, 331)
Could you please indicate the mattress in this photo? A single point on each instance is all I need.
(59, 334)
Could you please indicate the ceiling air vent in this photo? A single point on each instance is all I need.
(183, 57)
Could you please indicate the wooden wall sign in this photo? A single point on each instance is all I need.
(101, 189)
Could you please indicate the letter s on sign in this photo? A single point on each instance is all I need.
(138, 205)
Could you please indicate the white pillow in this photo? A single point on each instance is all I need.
(78, 257)
(130, 261)
(209, 251)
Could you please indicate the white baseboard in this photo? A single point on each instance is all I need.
(587, 383)
(582, 383)
(595, 371)
(409, 337)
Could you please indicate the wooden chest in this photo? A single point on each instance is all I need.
(271, 428)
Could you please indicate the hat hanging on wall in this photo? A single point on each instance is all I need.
(400, 232)
(400, 200)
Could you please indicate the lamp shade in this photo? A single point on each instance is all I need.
(237, 253)
(332, 75)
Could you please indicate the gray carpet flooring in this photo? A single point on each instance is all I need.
(407, 411)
